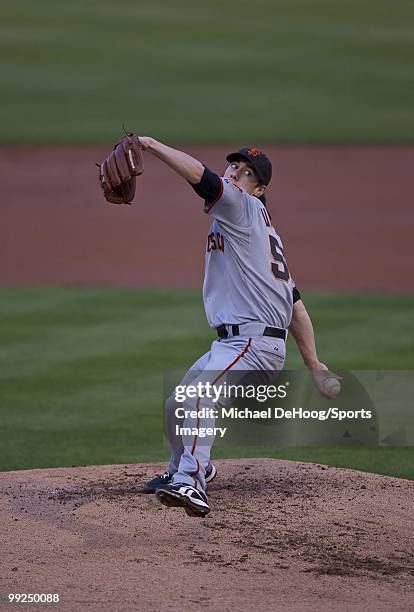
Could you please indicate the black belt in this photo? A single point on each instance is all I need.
(274, 332)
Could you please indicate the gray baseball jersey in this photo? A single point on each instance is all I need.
(246, 275)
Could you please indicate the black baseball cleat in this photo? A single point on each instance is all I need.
(162, 479)
(185, 496)
(211, 473)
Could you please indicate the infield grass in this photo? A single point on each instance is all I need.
(215, 72)
(82, 371)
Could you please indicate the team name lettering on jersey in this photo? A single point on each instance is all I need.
(215, 241)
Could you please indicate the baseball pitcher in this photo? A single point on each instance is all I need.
(250, 299)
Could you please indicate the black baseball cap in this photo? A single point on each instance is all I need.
(258, 161)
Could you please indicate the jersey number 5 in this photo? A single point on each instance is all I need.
(279, 265)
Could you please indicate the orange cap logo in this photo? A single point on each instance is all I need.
(254, 152)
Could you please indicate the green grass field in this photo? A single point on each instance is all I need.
(270, 71)
(82, 371)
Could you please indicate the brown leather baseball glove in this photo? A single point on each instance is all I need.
(117, 173)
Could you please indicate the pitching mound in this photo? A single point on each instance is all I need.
(280, 536)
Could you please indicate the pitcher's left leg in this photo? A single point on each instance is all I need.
(224, 358)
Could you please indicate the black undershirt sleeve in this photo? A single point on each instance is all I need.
(296, 295)
(209, 187)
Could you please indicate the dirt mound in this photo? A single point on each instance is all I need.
(280, 536)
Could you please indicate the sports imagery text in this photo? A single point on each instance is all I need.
(200, 420)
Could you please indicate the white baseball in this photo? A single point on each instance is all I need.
(332, 386)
